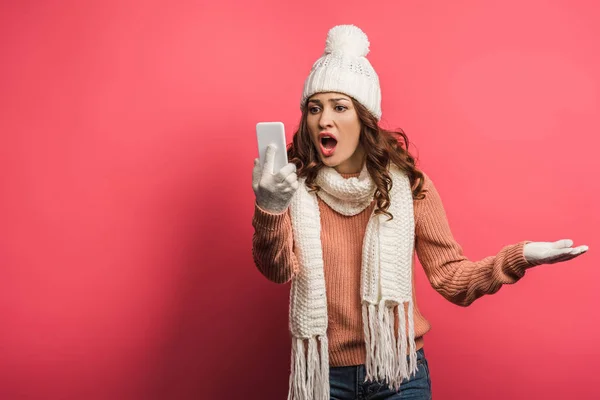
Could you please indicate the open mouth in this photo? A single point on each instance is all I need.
(328, 142)
(328, 145)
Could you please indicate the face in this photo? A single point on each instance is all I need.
(335, 130)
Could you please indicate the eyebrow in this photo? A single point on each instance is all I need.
(331, 100)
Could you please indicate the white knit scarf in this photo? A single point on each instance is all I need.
(386, 282)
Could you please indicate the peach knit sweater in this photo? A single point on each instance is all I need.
(458, 279)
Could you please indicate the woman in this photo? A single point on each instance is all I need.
(342, 222)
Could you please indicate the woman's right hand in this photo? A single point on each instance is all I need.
(273, 192)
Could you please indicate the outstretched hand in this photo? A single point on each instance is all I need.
(538, 253)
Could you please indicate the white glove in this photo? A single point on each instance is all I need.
(538, 253)
(273, 191)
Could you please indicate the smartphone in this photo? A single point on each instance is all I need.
(272, 133)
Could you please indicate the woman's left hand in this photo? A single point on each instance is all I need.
(538, 253)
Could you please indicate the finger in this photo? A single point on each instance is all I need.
(285, 171)
(291, 178)
(559, 244)
(580, 250)
(270, 158)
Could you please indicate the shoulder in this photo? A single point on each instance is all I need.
(428, 185)
(429, 205)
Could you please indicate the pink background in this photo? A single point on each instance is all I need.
(126, 203)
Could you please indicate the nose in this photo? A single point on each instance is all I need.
(326, 119)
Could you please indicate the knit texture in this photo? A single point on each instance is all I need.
(386, 280)
(344, 68)
(455, 277)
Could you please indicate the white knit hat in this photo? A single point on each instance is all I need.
(344, 68)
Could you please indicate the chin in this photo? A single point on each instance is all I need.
(330, 161)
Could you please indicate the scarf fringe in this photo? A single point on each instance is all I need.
(309, 377)
(386, 358)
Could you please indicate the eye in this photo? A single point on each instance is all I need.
(344, 108)
(311, 109)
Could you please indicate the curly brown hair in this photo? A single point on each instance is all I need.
(381, 146)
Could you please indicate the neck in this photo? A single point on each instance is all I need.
(354, 164)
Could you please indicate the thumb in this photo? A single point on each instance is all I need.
(563, 243)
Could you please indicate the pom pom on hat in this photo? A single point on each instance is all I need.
(348, 39)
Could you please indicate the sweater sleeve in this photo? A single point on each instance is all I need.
(450, 273)
(273, 245)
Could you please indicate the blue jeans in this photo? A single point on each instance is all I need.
(348, 383)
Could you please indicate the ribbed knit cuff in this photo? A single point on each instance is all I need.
(516, 261)
(267, 220)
